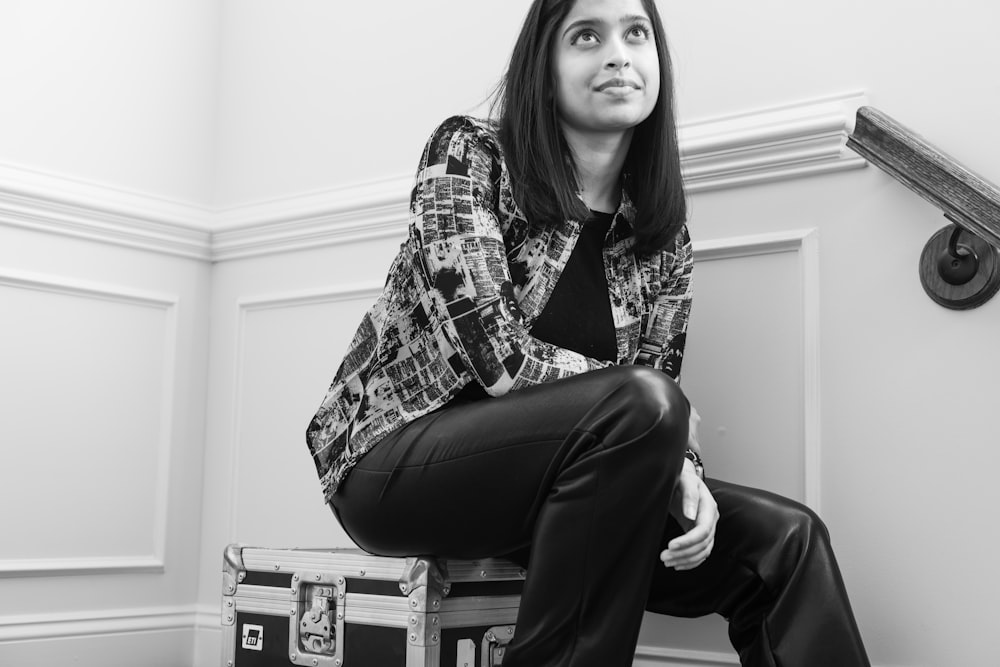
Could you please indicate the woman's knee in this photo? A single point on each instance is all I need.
(654, 404)
(792, 527)
(655, 392)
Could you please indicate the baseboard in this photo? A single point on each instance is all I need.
(656, 656)
(43, 627)
(209, 627)
(758, 146)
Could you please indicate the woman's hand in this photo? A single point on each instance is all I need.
(696, 511)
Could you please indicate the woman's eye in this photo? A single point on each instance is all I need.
(585, 37)
(638, 33)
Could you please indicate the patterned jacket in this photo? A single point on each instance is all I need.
(463, 292)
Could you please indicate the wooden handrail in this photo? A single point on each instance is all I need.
(966, 198)
(955, 275)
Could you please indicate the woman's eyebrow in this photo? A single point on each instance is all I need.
(591, 22)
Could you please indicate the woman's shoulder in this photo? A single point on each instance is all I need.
(468, 124)
(463, 132)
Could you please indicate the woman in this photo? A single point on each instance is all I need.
(512, 392)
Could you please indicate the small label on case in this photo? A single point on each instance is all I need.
(253, 637)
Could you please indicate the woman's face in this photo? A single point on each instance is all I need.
(606, 67)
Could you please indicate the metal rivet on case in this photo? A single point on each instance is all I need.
(277, 566)
(291, 613)
(318, 577)
(413, 603)
(413, 620)
(243, 575)
(522, 573)
(340, 614)
(315, 661)
(229, 663)
(230, 587)
(293, 656)
(229, 617)
(434, 637)
(413, 637)
(295, 577)
(510, 630)
(337, 662)
(362, 573)
(483, 574)
(434, 621)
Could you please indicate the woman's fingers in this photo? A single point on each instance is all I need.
(696, 559)
(693, 547)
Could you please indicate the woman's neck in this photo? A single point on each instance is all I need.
(599, 159)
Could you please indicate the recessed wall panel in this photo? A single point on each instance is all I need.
(82, 398)
(290, 350)
(744, 368)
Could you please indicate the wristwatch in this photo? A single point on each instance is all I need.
(695, 458)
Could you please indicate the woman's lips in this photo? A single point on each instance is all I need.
(617, 82)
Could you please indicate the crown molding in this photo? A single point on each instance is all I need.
(48, 202)
(753, 147)
(360, 212)
(774, 144)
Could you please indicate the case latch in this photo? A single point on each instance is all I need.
(316, 621)
(495, 645)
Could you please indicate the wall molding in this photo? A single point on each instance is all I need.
(153, 562)
(758, 146)
(53, 203)
(805, 243)
(769, 145)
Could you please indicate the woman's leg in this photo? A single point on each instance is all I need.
(581, 470)
(773, 575)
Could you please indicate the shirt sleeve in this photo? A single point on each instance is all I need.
(665, 336)
(454, 212)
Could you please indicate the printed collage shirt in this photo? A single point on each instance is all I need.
(463, 293)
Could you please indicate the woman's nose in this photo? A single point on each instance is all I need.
(618, 56)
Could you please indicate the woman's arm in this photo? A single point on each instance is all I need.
(454, 210)
(666, 331)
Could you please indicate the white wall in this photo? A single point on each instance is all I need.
(319, 94)
(192, 181)
(111, 91)
(878, 401)
(107, 113)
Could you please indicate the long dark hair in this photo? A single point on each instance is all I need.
(538, 159)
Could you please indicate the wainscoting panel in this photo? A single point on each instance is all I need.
(90, 421)
(751, 370)
(752, 366)
(284, 342)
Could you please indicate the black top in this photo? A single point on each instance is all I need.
(578, 314)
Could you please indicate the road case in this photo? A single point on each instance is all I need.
(348, 608)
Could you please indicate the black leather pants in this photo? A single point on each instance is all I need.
(576, 475)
